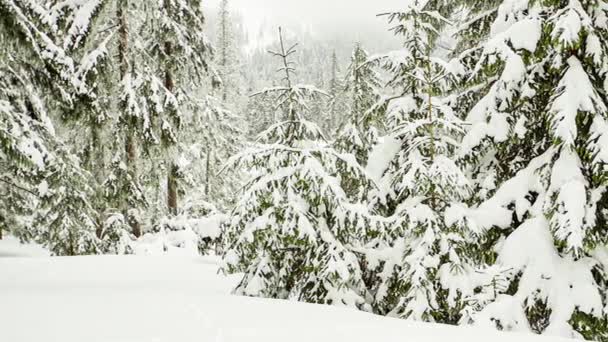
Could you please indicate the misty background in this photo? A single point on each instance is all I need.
(338, 22)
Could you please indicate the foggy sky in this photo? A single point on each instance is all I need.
(356, 18)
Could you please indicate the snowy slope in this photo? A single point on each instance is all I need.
(179, 299)
(12, 247)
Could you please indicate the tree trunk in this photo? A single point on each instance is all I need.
(130, 144)
(97, 166)
(172, 189)
(208, 174)
(131, 151)
(224, 62)
(2, 224)
(123, 32)
(172, 169)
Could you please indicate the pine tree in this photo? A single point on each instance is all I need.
(226, 56)
(66, 223)
(44, 187)
(537, 107)
(108, 102)
(212, 135)
(359, 133)
(363, 83)
(224, 134)
(261, 113)
(151, 81)
(183, 50)
(86, 30)
(336, 107)
(291, 228)
(429, 250)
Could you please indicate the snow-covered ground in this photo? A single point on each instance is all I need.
(179, 299)
(11, 247)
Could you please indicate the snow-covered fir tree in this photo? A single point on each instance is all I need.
(46, 196)
(423, 258)
(336, 105)
(184, 54)
(292, 226)
(153, 79)
(359, 133)
(536, 102)
(261, 113)
(226, 54)
(82, 30)
(212, 135)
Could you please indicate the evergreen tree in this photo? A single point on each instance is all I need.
(422, 276)
(212, 135)
(261, 113)
(224, 134)
(360, 131)
(66, 221)
(183, 50)
(110, 101)
(336, 106)
(291, 228)
(537, 107)
(151, 81)
(226, 56)
(46, 195)
(86, 30)
(360, 134)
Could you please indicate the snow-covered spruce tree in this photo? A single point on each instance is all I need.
(336, 105)
(22, 147)
(66, 221)
(83, 125)
(183, 50)
(423, 259)
(360, 129)
(291, 228)
(226, 54)
(261, 113)
(23, 143)
(360, 133)
(74, 26)
(211, 136)
(104, 104)
(134, 120)
(537, 106)
(218, 130)
(47, 194)
(145, 75)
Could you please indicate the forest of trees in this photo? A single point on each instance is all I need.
(461, 179)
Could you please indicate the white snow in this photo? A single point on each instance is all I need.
(569, 186)
(167, 242)
(180, 299)
(577, 94)
(12, 247)
(381, 156)
(566, 285)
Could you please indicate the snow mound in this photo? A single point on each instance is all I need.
(180, 299)
(12, 247)
(179, 236)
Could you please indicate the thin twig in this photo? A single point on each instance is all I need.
(17, 186)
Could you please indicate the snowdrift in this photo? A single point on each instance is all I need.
(180, 299)
(10, 246)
